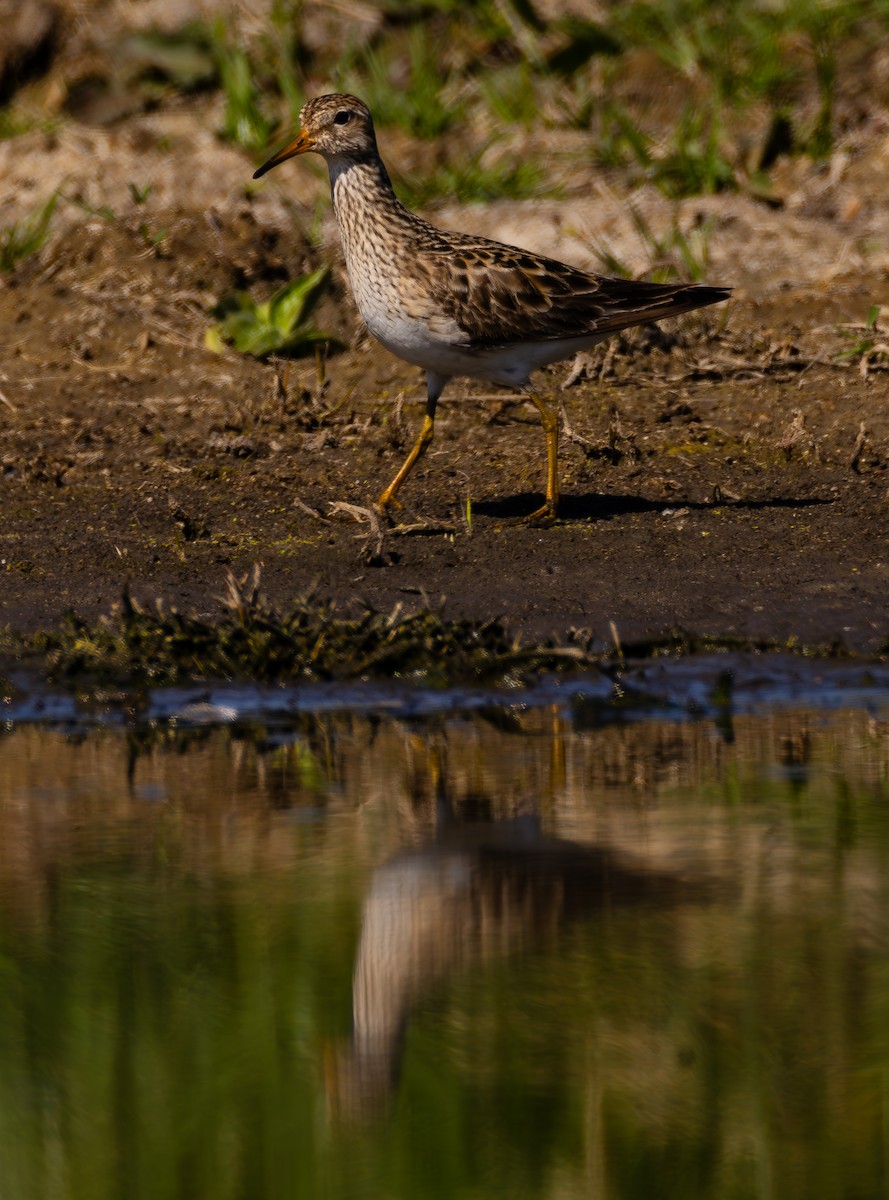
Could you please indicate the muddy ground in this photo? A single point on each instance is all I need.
(727, 475)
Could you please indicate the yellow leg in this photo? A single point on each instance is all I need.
(387, 497)
(549, 419)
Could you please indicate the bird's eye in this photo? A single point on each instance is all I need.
(342, 118)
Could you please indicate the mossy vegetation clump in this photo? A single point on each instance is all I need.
(311, 640)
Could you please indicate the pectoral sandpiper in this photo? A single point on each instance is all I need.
(461, 305)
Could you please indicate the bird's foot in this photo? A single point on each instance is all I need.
(540, 518)
(387, 507)
(387, 498)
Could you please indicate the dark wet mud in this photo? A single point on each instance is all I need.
(722, 479)
(726, 475)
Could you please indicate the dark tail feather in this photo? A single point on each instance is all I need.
(654, 301)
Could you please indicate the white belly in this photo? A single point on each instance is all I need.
(434, 342)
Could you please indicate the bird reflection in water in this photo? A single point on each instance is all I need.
(475, 891)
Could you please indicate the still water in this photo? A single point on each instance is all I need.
(518, 953)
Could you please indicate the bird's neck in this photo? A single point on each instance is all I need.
(361, 188)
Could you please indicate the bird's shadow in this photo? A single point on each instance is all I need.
(597, 506)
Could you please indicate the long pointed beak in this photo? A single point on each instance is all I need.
(300, 144)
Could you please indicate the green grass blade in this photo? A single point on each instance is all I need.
(24, 238)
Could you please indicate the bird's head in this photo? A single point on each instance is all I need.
(334, 126)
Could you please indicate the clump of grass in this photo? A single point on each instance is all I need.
(153, 238)
(695, 163)
(140, 192)
(583, 40)
(426, 67)
(181, 59)
(825, 27)
(245, 122)
(309, 641)
(285, 52)
(158, 646)
(404, 89)
(470, 179)
(620, 137)
(511, 93)
(24, 238)
(732, 55)
(867, 343)
(673, 254)
(104, 211)
(279, 325)
(14, 122)
(692, 163)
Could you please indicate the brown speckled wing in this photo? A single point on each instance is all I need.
(499, 295)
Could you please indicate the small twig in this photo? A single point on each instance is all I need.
(607, 359)
(372, 551)
(580, 369)
(465, 511)
(610, 450)
(571, 435)
(420, 527)
(9, 404)
(504, 406)
(245, 593)
(279, 386)
(796, 434)
(123, 365)
(360, 513)
(312, 512)
(721, 494)
(399, 425)
(859, 448)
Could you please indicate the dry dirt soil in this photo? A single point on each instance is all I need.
(726, 475)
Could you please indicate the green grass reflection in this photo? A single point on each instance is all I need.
(177, 979)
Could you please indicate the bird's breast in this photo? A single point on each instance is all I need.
(397, 308)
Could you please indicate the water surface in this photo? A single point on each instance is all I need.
(526, 952)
